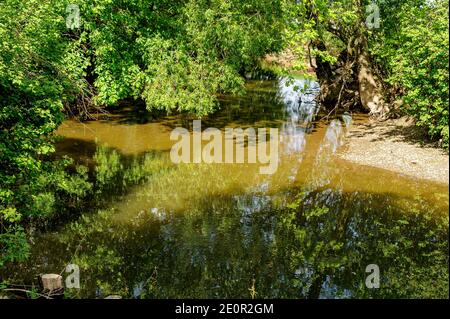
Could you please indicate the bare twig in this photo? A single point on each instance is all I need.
(337, 103)
(28, 291)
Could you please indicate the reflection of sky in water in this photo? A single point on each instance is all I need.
(299, 99)
(333, 136)
(298, 96)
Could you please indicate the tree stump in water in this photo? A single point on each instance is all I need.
(51, 282)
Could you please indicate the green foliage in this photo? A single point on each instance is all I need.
(410, 49)
(322, 26)
(13, 244)
(34, 86)
(413, 49)
(175, 55)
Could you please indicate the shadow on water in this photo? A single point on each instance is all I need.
(212, 230)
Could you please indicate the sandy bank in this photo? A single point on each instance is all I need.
(395, 145)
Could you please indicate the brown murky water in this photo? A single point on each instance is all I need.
(218, 230)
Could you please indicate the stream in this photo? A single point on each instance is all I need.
(310, 230)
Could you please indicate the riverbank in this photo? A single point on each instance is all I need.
(396, 145)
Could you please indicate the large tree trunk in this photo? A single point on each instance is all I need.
(351, 83)
(370, 89)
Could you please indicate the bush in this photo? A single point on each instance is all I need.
(34, 85)
(413, 47)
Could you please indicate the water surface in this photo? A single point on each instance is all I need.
(161, 230)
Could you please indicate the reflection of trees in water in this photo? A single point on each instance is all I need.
(319, 246)
(356, 230)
